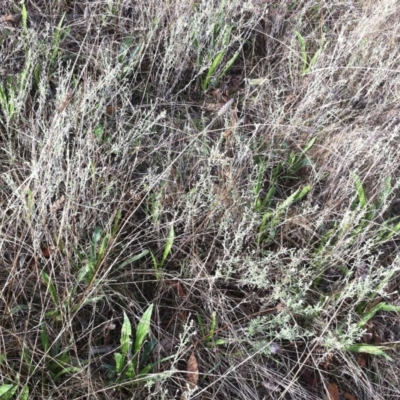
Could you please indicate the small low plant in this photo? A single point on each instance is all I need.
(132, 360)
(308, 62)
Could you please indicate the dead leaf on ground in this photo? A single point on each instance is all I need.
(362, 360)
(333, 392)
(349, 396)
(46, 251)
(192, 372)
(11, 18)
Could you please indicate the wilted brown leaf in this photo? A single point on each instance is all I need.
(333, 392)
(362, 360)
(11, 18)
(192, 371)
(349, 396)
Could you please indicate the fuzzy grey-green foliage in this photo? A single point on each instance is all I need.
(281, 192)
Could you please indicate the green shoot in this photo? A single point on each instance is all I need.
(168, 245)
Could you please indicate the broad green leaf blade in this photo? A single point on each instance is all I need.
(126, 333)
(119, 362)
(7, 388)
(147, 351)
(143, 328)
(168, 245)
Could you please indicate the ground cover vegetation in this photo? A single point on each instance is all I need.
(199, 199)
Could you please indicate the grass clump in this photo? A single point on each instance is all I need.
(199, 200)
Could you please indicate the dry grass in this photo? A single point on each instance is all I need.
(234, 164)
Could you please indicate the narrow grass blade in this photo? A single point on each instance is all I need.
(369, 349)
(168, 245)
(117, 220)
(24, 17)
(229, 64)
(213, 67)
(296, 196)
(360, 192)
(132, 259)
(44, 338)
(50, 285)
(379, 307)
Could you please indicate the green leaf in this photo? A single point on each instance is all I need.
(132, 259)
(96, 235)
(146, 369)
(24, 393)
(201, 324)
(360, 192)
(86, 270)
(130, 371)
(296, 196)
(103, 246)
(99, 133)
(57, 37)
(143, 328)
(213, 324)
(168, 245)
(309, 145)
(213, 67)
(147, 351)
(52, 289)
(125, 45)
(373, 311)
(7, 391)
(24, 17)
(229, 64)
(68, 370)
(88, 300)
(126, 334)
(369, 349)
(119, 362)
(313, 60)
(117, 220)
(387, 189)
(44, 338)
